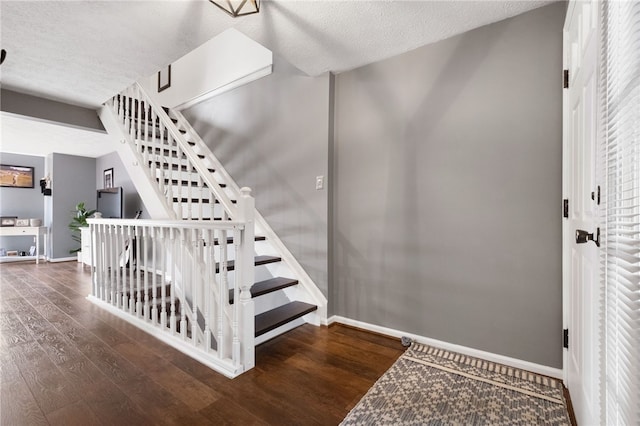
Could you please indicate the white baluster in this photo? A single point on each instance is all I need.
(145, 237)
(171, 173)
(132, 113)
(163, 288)
(94, 271)
(132, 293)
(173, 242)
(112, 267)
(125, 110)
(116, 266)
(105, 263)
(189, 193)
(224, 293)
(99, 250)
(200, 196)
(144, 124)
(138, 242)
(208, 283)
(154, 274)
(179, 212)
(151, 149)
(119, 109)
(184, 273)
(138, 113)
(194, 287)
(123, 267)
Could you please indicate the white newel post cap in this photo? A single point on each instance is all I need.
(245, 191)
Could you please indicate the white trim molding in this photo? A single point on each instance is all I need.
(63, 259)
(556, 373)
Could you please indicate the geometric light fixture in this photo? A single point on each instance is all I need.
(237, 8)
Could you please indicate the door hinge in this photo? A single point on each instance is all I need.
(565, 207)
(565, 338)
(593, 195)
(565, 79)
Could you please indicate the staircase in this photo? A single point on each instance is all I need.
(185, 187)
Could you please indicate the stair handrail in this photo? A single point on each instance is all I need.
(192, 157)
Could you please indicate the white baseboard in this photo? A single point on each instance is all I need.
(64, 259)
(489, 356)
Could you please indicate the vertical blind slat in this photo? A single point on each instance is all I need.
(620, 78)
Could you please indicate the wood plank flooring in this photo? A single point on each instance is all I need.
(66, 362)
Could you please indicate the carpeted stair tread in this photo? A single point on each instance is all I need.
(267, 286)
(258, 260)
(270, 320)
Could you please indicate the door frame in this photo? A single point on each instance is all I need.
(566, 255)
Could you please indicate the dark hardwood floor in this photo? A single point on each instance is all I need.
(66, 362)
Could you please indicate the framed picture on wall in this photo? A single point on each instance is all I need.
(108, 178)
(16, 176)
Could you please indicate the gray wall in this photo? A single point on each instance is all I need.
(73, 180)
(447, 190)
(132, 201)
(272, 135)
(24, 203)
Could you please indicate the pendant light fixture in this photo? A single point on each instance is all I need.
(237, 8)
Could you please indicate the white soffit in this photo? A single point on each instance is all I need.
(28, 136)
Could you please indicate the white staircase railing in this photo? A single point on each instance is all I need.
(165, 150)
(171, 278)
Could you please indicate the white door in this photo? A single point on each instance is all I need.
(580, 188)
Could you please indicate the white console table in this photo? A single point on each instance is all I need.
(22, 231)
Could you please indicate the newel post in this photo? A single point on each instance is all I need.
(244, 256)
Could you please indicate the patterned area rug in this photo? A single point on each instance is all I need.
(431, 386)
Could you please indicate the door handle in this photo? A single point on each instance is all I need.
(583, 236)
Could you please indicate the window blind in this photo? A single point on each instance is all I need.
(620, 89)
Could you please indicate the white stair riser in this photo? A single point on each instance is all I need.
(204, 211)
(179, 175)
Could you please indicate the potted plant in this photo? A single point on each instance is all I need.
(79, 220)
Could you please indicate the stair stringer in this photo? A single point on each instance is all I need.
(311, 293)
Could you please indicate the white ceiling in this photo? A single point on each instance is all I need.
(83, 52)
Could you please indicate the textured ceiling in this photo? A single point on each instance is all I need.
(83, 52)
